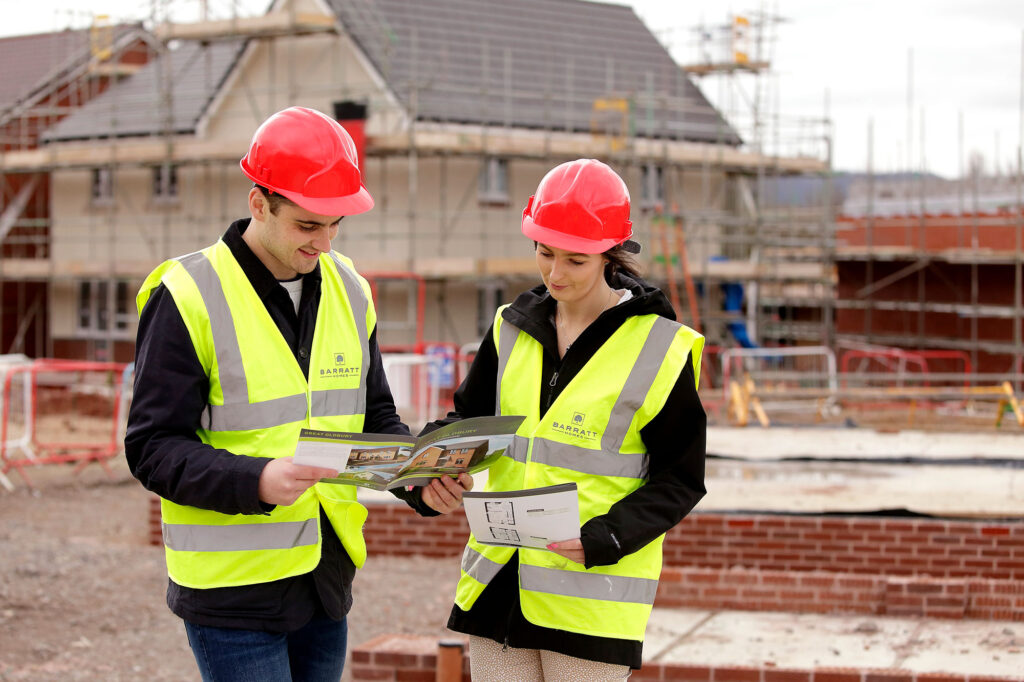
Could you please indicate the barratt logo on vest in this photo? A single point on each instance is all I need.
(340, 368)
(575, 427)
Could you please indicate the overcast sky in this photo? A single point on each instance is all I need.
(851, 57)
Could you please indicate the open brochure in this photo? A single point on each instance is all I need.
(524, 518)
(385, 461)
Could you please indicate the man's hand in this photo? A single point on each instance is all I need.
(445, 494)
(282, 481)
(570, 549)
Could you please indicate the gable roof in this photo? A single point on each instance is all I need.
(523, 63)
(529, 63)
(31, 62)
(134, 107)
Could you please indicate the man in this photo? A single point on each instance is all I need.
(240, 346)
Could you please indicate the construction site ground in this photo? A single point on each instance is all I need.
(82, 591)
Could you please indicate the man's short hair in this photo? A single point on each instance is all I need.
(274, 200)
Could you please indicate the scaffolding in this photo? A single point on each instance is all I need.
(449, 193)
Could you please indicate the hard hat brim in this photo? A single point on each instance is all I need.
(360, 202)
(352, 204)
(561, 240)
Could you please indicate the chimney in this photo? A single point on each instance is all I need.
(352, 117)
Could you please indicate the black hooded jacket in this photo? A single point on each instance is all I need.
(675, 440)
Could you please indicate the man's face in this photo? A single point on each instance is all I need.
(290, 242)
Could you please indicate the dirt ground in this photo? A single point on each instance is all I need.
(82, 593)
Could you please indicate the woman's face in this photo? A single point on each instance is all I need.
(570, 277)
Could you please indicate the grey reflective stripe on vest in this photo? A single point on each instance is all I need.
(479, 567)
(507, 336)
(225, 341)
(337, 401)
(240, 538)
(587, 585)
(360, 305)
(638, 383)
(262, 415)
(237, 413)
(595, 462)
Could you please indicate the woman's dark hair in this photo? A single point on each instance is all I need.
(619, 260)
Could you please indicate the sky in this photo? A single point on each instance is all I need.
(913, 71)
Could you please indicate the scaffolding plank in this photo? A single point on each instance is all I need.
(264, 25)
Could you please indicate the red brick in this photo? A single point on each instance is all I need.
(686, 673)
(940, 677)
(787, 676)
(394, 659)
(924, 588)
(837, 675)
(736, 674)
(407, 675)
(368, 673)
(995, 530)
(889, 676)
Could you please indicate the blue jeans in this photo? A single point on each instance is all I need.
(314, 653)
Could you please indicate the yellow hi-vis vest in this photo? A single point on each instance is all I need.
(591, 436)
(259, 399)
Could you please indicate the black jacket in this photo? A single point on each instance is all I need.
(167, 457)
(675, 440)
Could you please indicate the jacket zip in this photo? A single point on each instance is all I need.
(551, 389)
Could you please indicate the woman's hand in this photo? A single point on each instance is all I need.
(570, 549)
(445, 494)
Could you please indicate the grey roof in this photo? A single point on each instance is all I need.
(530, 63)
(523, 63)
(30, 62)
(140, 105)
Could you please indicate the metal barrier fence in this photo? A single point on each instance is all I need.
(64, 411)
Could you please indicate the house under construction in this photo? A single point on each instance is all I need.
(459, 107)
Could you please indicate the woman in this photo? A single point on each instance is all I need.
(607, 381)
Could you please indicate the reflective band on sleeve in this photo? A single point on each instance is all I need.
(360, 306)
(506, 341)
(638, 383)
(262, 415)
(335, 402)
(587, 461)
(479, 567)
(241, 538)
(225, 340)
(587, 585)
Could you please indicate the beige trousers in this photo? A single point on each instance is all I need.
(492, 662)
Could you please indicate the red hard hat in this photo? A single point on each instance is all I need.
(580, 206)
(308, 157)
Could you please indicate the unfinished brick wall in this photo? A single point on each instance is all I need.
(840, 544)
(841, 593)
(760, 562)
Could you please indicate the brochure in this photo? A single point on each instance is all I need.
(524, 518)
(384, 461)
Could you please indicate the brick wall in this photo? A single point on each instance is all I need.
(413, 658)
(881, 566)
(841, 593)
(841, 544)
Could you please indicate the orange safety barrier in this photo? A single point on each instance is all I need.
(52, 386)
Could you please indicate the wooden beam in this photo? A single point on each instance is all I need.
(262, 26)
